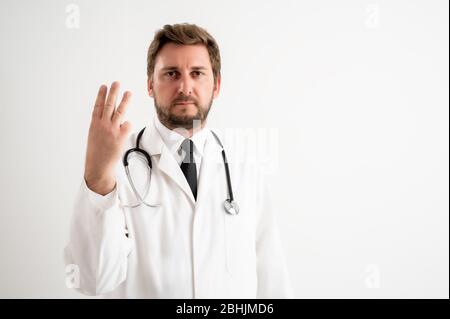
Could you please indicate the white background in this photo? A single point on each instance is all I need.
(357, 92)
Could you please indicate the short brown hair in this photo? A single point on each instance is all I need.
(185, 34)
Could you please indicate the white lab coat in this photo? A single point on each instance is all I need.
(182, 248)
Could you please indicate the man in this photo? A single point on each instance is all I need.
(178, 241)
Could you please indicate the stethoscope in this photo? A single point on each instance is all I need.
(230, 205)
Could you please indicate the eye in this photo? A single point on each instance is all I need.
(197, 73)
(171, 74)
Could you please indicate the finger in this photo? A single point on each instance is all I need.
(121, 109)
(110, 104)
(100, 102)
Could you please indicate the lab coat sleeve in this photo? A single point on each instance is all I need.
(272, 271)
(98, 245)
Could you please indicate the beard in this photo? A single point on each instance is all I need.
(170, 119)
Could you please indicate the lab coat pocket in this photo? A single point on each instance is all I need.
(239, 246)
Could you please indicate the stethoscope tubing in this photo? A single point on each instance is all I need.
(230, 205)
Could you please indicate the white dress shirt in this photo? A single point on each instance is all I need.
(173, 141)
(178, 247)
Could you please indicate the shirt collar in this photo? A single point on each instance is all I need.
(173, 139)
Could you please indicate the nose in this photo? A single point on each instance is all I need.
(185, 86)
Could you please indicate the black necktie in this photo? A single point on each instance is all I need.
(188, 165)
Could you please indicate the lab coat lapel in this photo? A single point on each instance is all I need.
(153, 142)
(212, 166)
(169, 165)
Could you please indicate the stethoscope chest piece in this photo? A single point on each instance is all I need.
(231, 207)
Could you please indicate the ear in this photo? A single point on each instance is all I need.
(217, 87)
(150, 87)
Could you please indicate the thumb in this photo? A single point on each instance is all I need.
(125, 128)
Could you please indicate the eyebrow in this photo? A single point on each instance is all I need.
(167, 68)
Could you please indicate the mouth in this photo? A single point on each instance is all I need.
(184, 103)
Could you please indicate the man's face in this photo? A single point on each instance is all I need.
(183, 85)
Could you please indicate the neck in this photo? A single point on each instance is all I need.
(186, 132)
